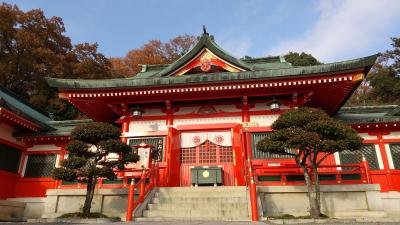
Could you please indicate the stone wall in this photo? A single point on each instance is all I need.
(111, 202)
(11, 210)
(391, 202)
(336, 200)
(34, 207)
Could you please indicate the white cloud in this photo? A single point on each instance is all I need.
(345, 28)
(233, 43)
(236, 47)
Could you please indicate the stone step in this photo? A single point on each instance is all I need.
(196, 213)
(222, 205)
(198, 204)
(192, 219)
(216, 194)
(222, 189)
(183, 200)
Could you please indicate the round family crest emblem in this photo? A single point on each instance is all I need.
(219, 139)
(196, 140)
(205, 65)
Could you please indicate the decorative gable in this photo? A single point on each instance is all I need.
(206, 62)
(205, 57)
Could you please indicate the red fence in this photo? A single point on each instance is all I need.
(328, 174)
(147, 181)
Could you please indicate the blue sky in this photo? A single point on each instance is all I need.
(331, 30)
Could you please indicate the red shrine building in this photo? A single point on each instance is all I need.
(208, 110)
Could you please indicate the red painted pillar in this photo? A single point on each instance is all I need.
(170, 114)
(142, 186)
(252, 184)
(131, 199)
(62, 156)
(366, 169)
(125, 128)
(169, 121)
(385, 160)
(245, 110)
(253, 194)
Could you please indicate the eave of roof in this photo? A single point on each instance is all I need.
(368, 114)
(22, 108)
(361, 63)
(61, 128)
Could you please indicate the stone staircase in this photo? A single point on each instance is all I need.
(198, 204)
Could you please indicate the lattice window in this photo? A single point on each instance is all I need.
(225, 154)
(40, 165)
(395, 151)
(156, 142)
(348, 157)
(188, 155)
(9, 158)
(256, 137)
(206, 153)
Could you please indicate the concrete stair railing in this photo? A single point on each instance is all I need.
(198, 204)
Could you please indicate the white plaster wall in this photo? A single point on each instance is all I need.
(379, 156)
(392, 135)
(187, 110)
(44, 148)
(6, 132)
(264, 120)
(232, 119)
(146, 126)
(227, 108)
(389, 156)
(153, 112)
(195, 109)
(337, 160)
(365, 136)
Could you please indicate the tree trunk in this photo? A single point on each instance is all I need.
(316, 189)
(89, 196)
(312, 193)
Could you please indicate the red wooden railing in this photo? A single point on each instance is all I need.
(147, 181)
(284, 171)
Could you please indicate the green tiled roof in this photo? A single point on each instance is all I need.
(369, 114)
(60, 128)
(22, 108)
(361, 63)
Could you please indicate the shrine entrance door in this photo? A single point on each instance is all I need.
(209, 149)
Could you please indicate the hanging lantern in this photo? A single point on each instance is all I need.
(275, 106)
(137, 112)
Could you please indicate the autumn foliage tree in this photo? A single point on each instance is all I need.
(88, 157)
(382, 85)
(33, 47)
(310, 136)
(153, 52)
